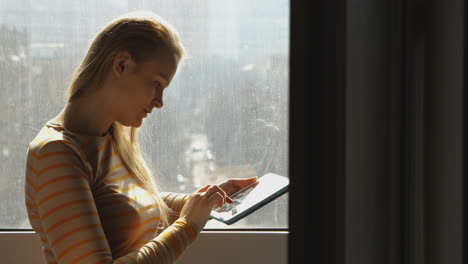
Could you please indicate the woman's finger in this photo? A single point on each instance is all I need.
(210, 189)
(215, 189)
(203, 189)
(216, 199)
(230, 186)
(243, 182)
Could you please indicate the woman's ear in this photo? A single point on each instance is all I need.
(121, 62)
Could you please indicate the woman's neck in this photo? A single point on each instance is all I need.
(86, 115)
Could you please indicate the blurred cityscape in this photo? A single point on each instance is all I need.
(225, 114)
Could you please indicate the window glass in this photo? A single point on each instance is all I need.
(225, 113)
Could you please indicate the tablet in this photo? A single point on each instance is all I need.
(267, 188)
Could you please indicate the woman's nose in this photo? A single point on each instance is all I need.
(158, 99)
(158, 102)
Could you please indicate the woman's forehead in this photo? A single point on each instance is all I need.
(162, 66)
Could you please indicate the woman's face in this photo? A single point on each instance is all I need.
(141, 87)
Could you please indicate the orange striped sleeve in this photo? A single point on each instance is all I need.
(176, 202)
(177, 237)
(66, 206)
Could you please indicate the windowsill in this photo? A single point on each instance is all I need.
(255, 246)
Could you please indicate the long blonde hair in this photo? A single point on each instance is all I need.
(142, 34)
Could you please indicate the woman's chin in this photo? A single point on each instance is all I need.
(137, 123)
(133, 123)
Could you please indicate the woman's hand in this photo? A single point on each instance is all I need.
(198, 207)
(231, 186)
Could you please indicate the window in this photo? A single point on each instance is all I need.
(225, 114)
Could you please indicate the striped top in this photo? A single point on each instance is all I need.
(86, 208)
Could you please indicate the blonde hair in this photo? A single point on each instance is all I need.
(142, 34)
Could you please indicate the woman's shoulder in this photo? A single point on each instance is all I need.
(47, 135)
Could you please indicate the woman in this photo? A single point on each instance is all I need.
(89, 194)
